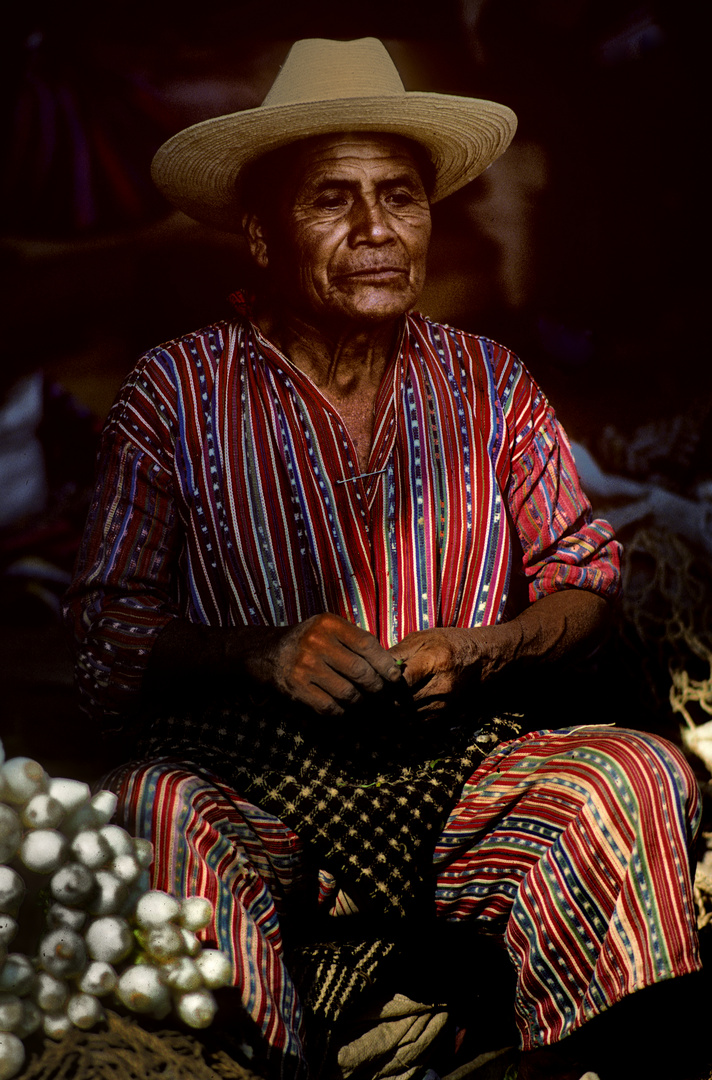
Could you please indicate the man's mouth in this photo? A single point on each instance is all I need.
(376, 273)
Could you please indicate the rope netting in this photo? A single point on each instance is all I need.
(667, 608)
(124, 1050)
(667, 605)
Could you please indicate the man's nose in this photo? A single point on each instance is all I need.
(370, 222)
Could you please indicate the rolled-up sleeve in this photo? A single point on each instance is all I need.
(563, 545)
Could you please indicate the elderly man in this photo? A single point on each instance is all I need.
(298, 588)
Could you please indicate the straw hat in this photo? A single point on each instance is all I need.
(328, 86)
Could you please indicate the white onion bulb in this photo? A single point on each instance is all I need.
(156, 908)
(91, 849)
(10, 1012)
(196, 913)
(63, 953)
(84, 1010)
(110, 896)
(10, 833)
(215, 967)
(70, 793)
(43, 850)
(17, 975)
(92, 814)
(23, 778)
(31, 1019)
(118, 839)
(190, 943)
(8, 929)
(143, 850)
(197, 1008)
(109, 939)
(59, 915)
(43, 811)
(72, 884)
(56, 1025)
(182, 974)
(12, 890)
(163, 942)
(126, 868)
(50, 993)
(141, 990)
(98, 979)
(12, 1055)
(104, 804)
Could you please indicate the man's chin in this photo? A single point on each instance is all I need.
(377, 304)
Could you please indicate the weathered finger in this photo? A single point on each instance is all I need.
(379, 659)
(334, 658)
(323, 690)
(320, 702)
(415, 669)
(439, 685)
(363, 658)
(341, 689)
(429, 707)
(359, 671)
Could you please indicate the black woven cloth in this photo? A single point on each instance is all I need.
(368, 794)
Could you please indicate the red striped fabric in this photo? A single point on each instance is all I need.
(572, 846)
(210, 842)
(575, 845)
(231, 494)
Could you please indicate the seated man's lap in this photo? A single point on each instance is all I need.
(597, 795)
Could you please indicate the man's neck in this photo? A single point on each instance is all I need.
(336, 361)
(347, 367)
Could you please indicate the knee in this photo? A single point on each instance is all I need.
(654, 769)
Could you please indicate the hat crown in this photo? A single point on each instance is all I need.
(317, 69)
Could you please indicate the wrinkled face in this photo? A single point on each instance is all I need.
(351, 233)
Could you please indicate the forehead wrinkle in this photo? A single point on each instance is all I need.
(333, 154)
(322, 183)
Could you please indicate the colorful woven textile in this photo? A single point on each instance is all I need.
(366, 799)
(231, 495)
(575, 846)
(572, 846)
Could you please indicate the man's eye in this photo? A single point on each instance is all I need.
(399, 198)
(332, 200)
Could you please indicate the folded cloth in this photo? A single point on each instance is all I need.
(391, 1040)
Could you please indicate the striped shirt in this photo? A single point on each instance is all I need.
(230, 494)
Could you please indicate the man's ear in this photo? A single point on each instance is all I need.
(254, 232)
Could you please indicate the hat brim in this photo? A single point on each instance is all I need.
(198, 169)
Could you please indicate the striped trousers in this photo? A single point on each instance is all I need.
(573, 846)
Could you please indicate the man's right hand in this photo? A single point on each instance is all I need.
(328, 663)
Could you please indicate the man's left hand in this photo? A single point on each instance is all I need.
(439, 664)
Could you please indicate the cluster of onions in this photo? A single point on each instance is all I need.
(104, 932)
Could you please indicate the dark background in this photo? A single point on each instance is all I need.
(582, 248)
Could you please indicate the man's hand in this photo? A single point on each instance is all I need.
(442, 663)
(439, 664)
(324, 663)
(328, 663)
